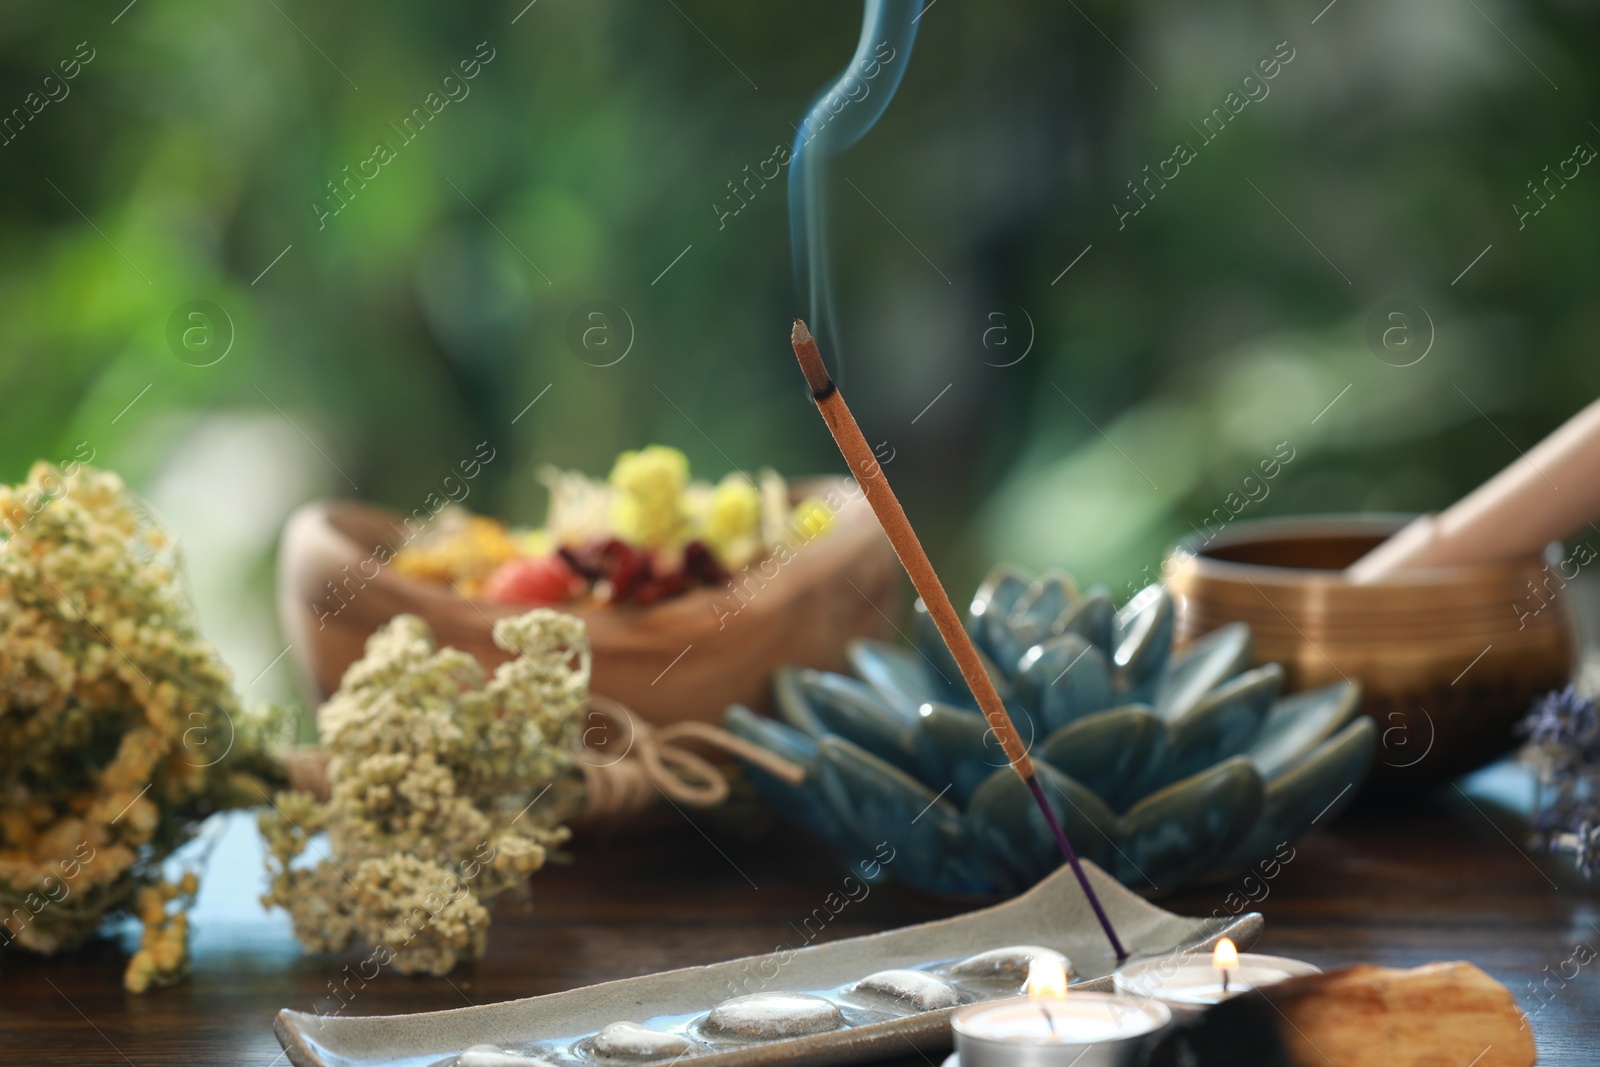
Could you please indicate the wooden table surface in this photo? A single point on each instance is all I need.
(1433, 878)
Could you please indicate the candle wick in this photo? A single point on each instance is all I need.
(1224, 982)
(1049, 1019)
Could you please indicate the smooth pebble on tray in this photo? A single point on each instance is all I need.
(913, 989)
(774, 1015)
(1012, 961)
(630, 1041)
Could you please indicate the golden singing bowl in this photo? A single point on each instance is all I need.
(1449, 658)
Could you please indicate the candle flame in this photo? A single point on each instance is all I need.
(1046, 977)
(1226, 957)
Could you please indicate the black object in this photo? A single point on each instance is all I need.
(1242, 1031)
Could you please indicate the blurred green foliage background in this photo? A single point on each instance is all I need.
(373, 349)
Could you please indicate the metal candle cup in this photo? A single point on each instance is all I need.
(1076, 1030)
(1048, 1027)
(1187, 985)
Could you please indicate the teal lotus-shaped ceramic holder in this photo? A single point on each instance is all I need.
(1162, 767)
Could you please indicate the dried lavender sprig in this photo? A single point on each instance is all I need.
(1563, 729)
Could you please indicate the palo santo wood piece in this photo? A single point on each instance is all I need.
(1441, 1013)
(1438, 1015)
(892, 517)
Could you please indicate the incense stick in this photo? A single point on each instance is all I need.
(892, 517)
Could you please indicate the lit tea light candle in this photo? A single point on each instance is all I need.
(1226, 960)
(1187, 984)
(1049, 1027)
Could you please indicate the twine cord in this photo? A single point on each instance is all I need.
(654, 759)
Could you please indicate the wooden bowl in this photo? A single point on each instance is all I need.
(1449, 658)
(684, 658)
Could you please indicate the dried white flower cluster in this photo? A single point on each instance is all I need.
(433, 772)
(119, 729)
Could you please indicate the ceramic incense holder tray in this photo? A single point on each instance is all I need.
(823, 1004)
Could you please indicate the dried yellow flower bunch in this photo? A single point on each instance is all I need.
(119, 729)
(435, 774)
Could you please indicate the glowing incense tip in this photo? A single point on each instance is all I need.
(811, 365)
